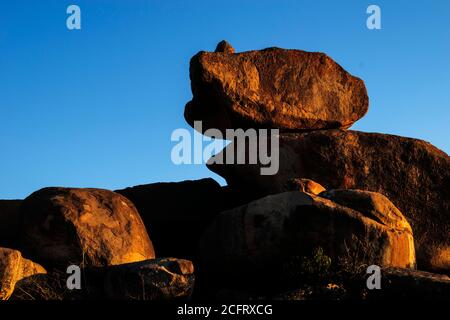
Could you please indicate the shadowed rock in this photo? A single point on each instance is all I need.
(156, 279)
(160, 279)
(9, 222)
(256, 238)
(177, 213)
(399, 283)
(412, 173)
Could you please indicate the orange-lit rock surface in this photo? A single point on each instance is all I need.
(257, 237)
(273, 88)
(13, 268)
(89, 227)
(412, 173)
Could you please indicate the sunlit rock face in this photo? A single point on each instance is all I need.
(256, 238)
(273, 88)
(13, 268)
(412, 173)
(304, 185)
(87, 227)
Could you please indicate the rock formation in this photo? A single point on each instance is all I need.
(13, 268)
(340, 201)
(160, 279)
(273, 88)
(178, 213)
(253, 239)
(89, 227)
(9, 222)
(399, 283)
(410, 172)
(156, 279)
(304, 185)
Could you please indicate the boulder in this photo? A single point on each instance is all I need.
(13, 268)
(224, 46)
(257, 238)
(412, 173)
(156, 279)
(371, 204)
(160, 279)
(86, 227)
(177, 213)
(304, 185)
(397, 284)
(51, 286)
(400, 283)
(272, 88)
(9, 222)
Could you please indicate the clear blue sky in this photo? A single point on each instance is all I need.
(96, 107)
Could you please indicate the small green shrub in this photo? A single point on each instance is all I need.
(308, 269)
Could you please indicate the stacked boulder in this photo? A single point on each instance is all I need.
(273, 88)
(257, 238)
(98, 231)
(312, 101)
(412, 173)
(339, 201)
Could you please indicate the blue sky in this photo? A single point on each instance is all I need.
(96, 107)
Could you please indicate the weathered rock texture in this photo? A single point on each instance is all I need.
(88, 227)
(156, 279)
(373, 205)
(304, 185)
(255, 238)
(53, 286)
(224, 46)
(160, 279)
(273, 88)
(9, 222)
(412, 173)
(13, 268)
